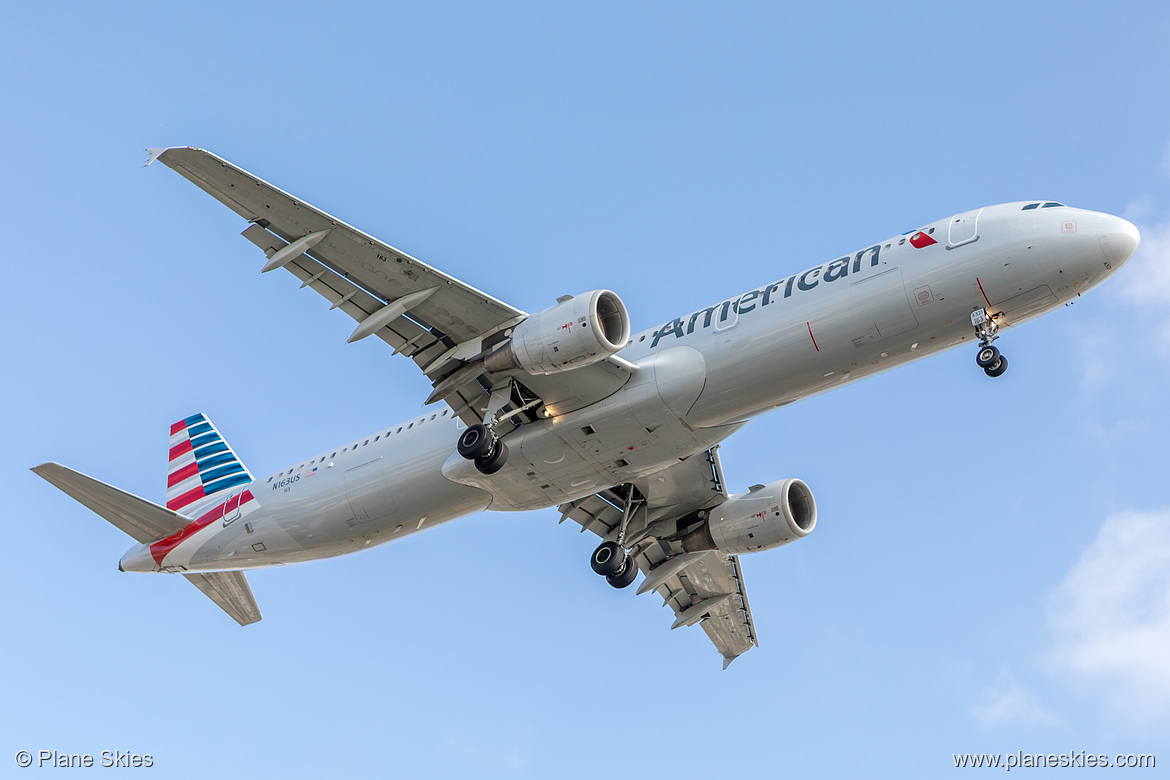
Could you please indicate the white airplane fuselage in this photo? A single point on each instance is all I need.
(699, 378)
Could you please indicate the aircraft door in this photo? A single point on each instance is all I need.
(366, 489)
(964, 229)
(877, 308)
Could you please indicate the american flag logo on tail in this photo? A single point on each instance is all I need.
(201, 464)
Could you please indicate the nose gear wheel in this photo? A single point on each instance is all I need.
(987, 330)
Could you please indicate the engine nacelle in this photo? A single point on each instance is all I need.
(576, 332)
(759, 519)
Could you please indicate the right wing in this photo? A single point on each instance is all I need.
(700, 587)
(441, 323)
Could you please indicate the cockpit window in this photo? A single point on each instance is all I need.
(1031, 206)
(1053, 205)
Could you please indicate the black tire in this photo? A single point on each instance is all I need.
(493, 462)
(998, 368)
(607, 558)
(625, 577)
(475, 442)
(987, 357)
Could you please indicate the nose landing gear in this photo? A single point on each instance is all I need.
(987, 331)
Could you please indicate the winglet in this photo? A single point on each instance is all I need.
(154, 152)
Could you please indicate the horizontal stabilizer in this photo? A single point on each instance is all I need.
(136, 516)
(230, 591)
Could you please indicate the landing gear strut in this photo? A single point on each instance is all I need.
(987, 331)
(480, 444)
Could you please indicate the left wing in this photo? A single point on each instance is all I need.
(700, 587)
(442, 324)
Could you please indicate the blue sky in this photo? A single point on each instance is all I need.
(991, 569)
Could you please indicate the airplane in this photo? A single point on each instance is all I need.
(565, 407)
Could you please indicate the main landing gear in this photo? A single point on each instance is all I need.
(610, 559)
(480, 444)
(987, 331)
(615, 564)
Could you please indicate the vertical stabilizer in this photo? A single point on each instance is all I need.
(201, 464)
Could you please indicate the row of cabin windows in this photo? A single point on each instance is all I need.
(344, 450)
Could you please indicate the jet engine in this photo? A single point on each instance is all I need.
(579, 330)
(764, 517)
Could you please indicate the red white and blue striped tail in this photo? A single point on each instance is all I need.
(202, 464)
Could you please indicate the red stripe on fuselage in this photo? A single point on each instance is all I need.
(190, 470)
(180, 448)
(981, 290)
(162, 548)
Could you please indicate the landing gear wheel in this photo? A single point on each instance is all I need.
(625, 577)
(607, 558)
(494, 461)
(996, 368)
(475, 442)
(987, 357)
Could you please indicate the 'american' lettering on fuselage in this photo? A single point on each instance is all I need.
(837, 269)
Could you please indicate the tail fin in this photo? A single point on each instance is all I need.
(202, 464)
(147, 522)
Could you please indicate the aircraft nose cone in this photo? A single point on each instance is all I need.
(1119, 238)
